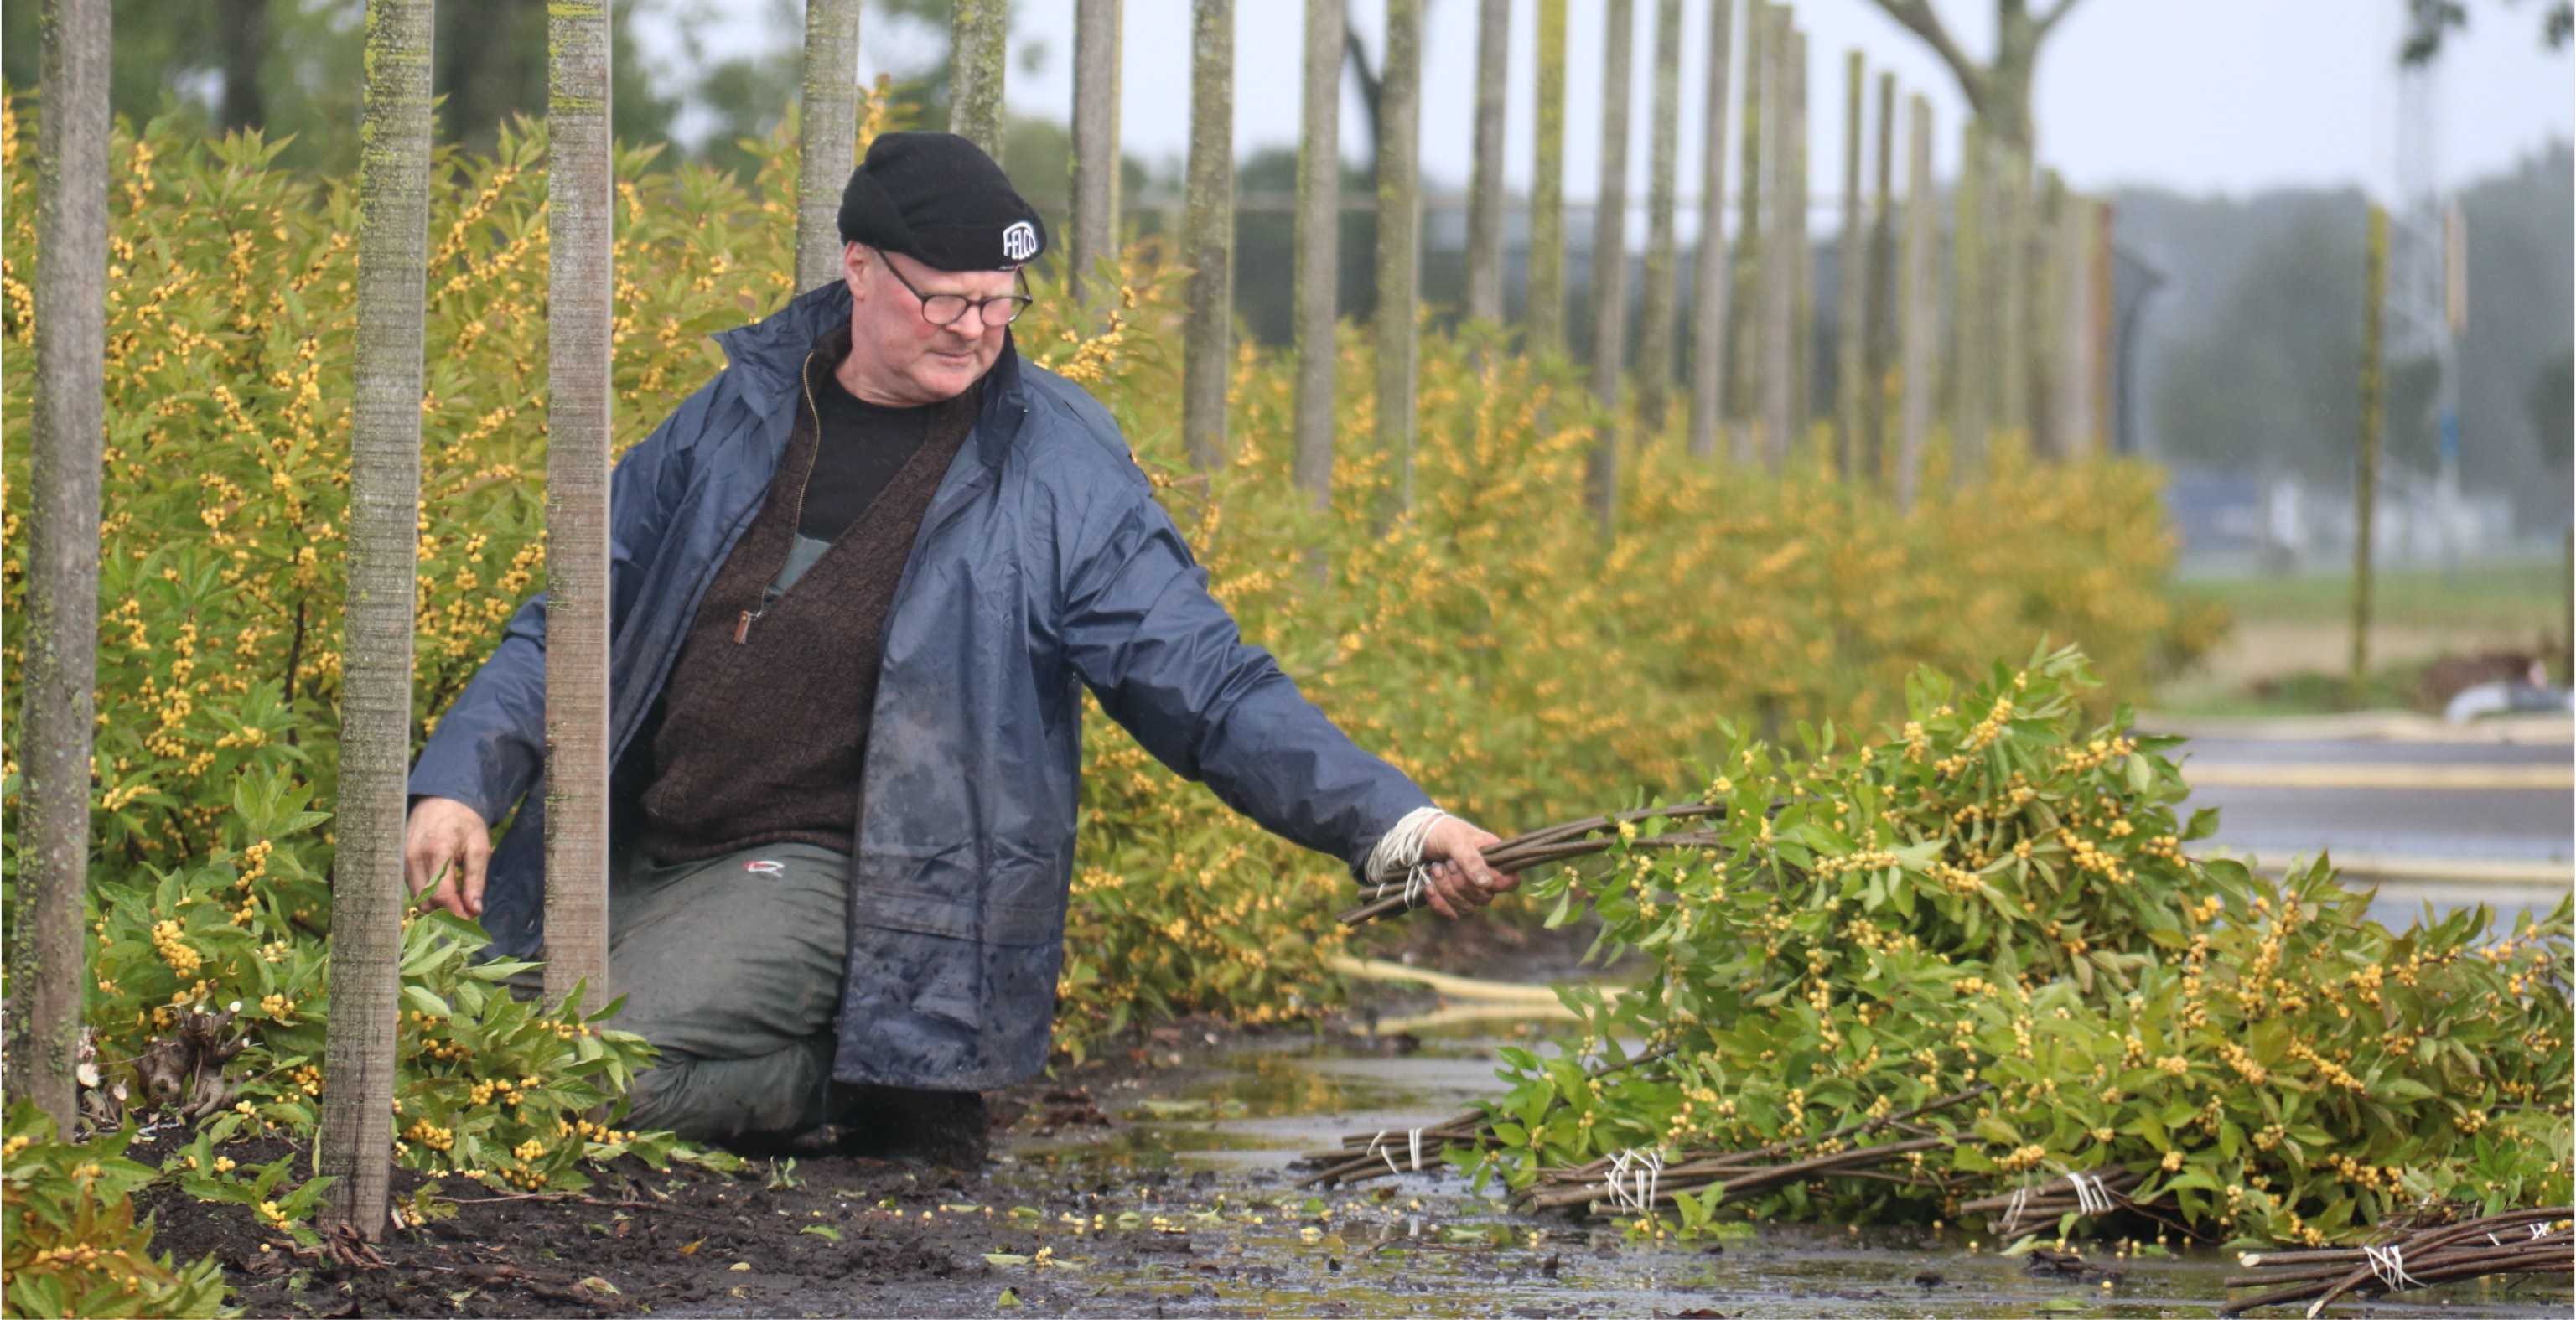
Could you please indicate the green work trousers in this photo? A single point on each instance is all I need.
(732, 968)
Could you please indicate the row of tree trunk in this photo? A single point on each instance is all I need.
(2019, 285)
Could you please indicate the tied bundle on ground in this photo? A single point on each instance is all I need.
(1969, 970)
(2523, 1244)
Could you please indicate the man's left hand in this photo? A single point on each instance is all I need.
(1460, 880)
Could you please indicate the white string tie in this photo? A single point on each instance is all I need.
(2091, 1197)
(2389, 1263)
(1377, 1146)
(2012, 1212)
(1399, 851)
(1634, 1191)
(1415, 1136)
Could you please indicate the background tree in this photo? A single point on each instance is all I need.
(1998, 90)
(1399, 227)
(61, 625)
(979, 33)
(827, 135)
(1207, 234)
(2429, 23)
(367, 892)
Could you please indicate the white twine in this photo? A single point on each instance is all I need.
(1399, 850)
(2012, 1212)
(2091, 1197)
(1385, 1150)
(2389, 1263)
(1635, 1192)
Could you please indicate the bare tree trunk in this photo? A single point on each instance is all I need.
(1319, 247)
(2071, 368)
(1802, 268)
(2047, 300)
(69, 425)
(2104, 276)
(1207, 235)
(979, 33)
(1708, 296)
(1485, 189)
(1097, 44)
(1921, 295)
(246, 41)
(1663, 163)
(2012, 269)
(827, 137)
(375, 692)
(1972, 336)
(2374, 397)
(1851, 280)
(1747, 330)
(1610, 262)
(1876, 321)
(580, 289)
(1399, 229)
(1547, 189)
(1779, 247)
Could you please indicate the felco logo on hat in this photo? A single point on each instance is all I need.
(1020, 241)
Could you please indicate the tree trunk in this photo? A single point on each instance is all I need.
(1399, 226)
(979, 32)
(2103, 277)
(1485, 189)
(1802, 266)
(580, 292)
(2046, 254)
(1971, 337)
(1877, 319)
(375, 692)
(68, 425)
(1207, 235)
(2072, 357)
(2374, 397)
(1319, 248)
(246, 43)
(1663, 162)
(1779, 251)
(1547, 189)
(2012, 269)
(1097, 46)
(1921, 296)
(1708, 294)
(1610, 262)
(1747, 330)
(827, 136)
(1851, 281)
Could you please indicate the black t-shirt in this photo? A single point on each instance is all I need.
(861, 447)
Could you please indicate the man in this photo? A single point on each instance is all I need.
(858, 584)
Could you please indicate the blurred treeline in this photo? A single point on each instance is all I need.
(2250, 354)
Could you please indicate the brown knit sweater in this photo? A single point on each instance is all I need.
(765, 724)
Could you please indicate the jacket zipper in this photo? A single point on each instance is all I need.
(769, 596)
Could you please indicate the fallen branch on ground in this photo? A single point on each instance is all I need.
(2525, 1243)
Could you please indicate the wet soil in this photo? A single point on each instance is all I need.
(1160, 1183)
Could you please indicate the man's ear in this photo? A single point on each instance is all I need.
(854, 267)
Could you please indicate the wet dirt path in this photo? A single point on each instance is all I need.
(1187, 1207)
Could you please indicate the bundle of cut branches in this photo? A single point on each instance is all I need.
(2526, 1243)
(1557, 843)
(1388, 1152)
(2083, 1193)
(1639, 1180)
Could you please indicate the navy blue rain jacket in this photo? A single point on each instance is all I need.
(1043, 566)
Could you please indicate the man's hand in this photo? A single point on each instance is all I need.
(1460, 880)
(447, 844)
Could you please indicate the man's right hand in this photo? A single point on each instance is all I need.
(446, 845)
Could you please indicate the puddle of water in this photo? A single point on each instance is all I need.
(1190, 1209)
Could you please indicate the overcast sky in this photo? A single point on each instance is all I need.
(2199, 95)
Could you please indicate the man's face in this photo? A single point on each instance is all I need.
(897, 357)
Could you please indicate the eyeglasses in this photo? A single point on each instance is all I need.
(947, 309)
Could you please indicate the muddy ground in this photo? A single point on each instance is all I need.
(1160, 1183)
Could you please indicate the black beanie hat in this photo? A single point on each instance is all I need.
(937, 198)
